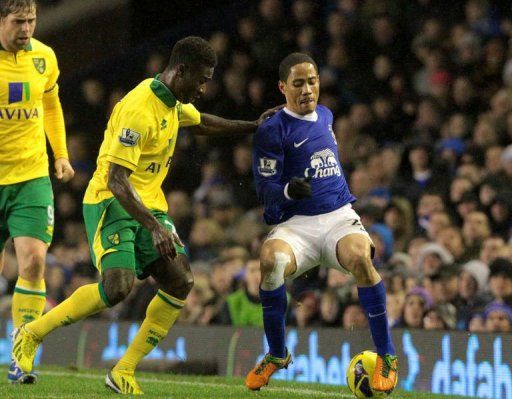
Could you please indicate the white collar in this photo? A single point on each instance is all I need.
(312, 117)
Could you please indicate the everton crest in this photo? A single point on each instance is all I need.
(40, 64)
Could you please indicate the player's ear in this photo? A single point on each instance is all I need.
(180, 70)
(282, 87)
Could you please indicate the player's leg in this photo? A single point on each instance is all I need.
(29, 295)
(113, 254)
(174, 280)
(277, 261)
(353, 252)
(29, 219)
(85, 301)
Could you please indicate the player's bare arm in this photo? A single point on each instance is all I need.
(212, 125)
(122, 189)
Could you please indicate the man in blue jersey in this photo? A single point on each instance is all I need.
(301, 183)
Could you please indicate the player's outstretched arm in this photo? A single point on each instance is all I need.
(122, 189)
(212, 125)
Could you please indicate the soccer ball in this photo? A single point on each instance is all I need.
(359, 375)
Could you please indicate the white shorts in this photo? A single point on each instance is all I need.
(313, 239)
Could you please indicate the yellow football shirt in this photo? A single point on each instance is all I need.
(141, 136)
(26, 77)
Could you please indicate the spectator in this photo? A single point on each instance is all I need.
(472, 295)
(330, 309)
(500, 280)
(441, 317)
(244, 305)
(475, 230)
(498, 318)
(451, 239)
(417, 302)
(432, 257)
(354, 317)
(306, 310)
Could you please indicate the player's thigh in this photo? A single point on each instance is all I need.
(111, 235)
(347, 240)
(30, 212)
(145, 250)
(288, 240)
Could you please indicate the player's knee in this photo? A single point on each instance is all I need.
(117, 284)
(33, 267)
(186, 286)
(360, 265)
(180, 283)
(273, 264)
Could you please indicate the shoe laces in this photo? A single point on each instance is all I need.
(388, 364)
(264, 363)
(30, 344)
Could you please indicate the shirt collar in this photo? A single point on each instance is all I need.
(28, 47)
(163, 92)
(312, 117)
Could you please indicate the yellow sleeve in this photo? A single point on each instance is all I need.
(188, 115)
(53, 116)
(53, 72)
(130, 132)
(54, 123)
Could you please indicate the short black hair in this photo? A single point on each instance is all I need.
(292, 60)
(13, 6)
(193, 51)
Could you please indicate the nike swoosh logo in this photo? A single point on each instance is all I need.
(297, 145)
(376, 315)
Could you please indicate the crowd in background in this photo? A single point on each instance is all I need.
(421, 92)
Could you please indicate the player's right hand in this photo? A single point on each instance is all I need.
(299, 188)
(268, 113)
(164, 241)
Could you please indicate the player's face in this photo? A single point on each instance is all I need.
(16, 29)
(301, 89)
(192, 83)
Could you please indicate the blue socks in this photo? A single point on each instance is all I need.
(373, 301)
(274, 310)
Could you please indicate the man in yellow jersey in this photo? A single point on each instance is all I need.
(29, 108)
(125, 211)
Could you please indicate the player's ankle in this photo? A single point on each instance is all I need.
(126, 368)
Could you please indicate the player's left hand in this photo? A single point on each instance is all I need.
(268, 113)
(63, 170)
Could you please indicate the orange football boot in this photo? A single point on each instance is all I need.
(385, 376)
(258, 377)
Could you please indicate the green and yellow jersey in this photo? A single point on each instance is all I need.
(29, 106)
(141, 136)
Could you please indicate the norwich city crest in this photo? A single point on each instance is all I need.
(40, 64)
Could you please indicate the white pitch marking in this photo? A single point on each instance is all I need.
(204, 384)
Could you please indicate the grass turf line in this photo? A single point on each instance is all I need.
(58, 382)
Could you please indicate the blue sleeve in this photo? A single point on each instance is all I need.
(267, 165)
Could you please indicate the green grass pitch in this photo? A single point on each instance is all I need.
(59, 383)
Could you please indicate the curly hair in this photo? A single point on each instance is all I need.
(193, 51)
